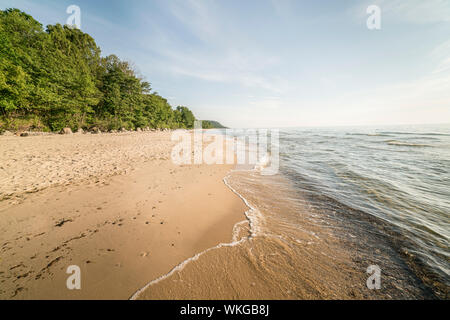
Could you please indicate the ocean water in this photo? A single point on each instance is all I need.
(399, 175)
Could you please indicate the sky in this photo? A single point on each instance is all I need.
(278, 63)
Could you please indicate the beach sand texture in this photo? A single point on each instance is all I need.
(112, 204)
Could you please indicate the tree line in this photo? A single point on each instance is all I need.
(56, 78)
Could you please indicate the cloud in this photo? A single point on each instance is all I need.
(425, 99)
(282, 7)
(223, 70)
(418, 11)
(196, 16)
(221, 54)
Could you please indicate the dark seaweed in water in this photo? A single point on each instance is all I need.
(374, 242)
(401, 190)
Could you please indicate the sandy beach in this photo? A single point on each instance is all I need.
(113, 204)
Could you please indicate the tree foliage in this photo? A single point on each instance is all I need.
(59, 77)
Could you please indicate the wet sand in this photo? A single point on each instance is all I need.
(114, 205)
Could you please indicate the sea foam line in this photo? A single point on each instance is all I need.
(183, 264)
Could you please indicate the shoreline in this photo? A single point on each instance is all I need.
(122, 230)
(240, 235)
(311, 259)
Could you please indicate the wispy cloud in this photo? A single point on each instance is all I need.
(222, 55)
(425, 99)
(282, 7)
(227, 67)
(197, 16)
(418, 11)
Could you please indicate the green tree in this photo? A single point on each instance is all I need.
(187, 117)
(58, 77)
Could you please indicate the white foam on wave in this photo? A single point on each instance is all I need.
(237, 230)
(182, 265)
(253, 215)
(406, 144)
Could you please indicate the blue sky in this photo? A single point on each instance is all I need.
(279, 63)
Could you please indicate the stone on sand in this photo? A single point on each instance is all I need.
(95, 130)
(7, 133)
(66, 131)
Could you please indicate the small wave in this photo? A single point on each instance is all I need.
(369, 134)
(378, 135)
(406, 144)
(416, 133)
(252, 216)
(181, 266)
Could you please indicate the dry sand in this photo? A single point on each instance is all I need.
(115, 205)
